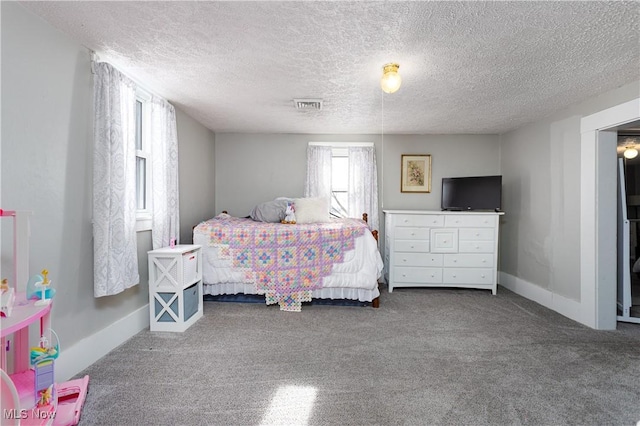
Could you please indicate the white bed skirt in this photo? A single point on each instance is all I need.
(360, 294)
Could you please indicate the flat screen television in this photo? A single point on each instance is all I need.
(472, 193)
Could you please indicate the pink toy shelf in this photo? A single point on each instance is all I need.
(24, 314)
(20, 379)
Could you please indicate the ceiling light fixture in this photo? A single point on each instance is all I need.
(630, 152)
(391, 80)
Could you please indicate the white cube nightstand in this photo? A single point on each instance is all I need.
(175, 287)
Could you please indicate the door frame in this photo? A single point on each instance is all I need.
(598, 214)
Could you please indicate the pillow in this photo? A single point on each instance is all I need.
(269, 211)
(312, 210)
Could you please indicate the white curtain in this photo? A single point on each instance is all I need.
(114, 182)
(164, 174)
(318, 182)
(363, 184)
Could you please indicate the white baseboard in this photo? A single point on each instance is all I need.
(563, 305)
(89, 350)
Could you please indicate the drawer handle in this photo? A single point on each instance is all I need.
(433, 276)
(484, 260)
(483, 275)
(404, 275)
(444, 241)
(413, 233)
(404, 260)
(477, 234)
(433, 260)
(406, 220)
(412, 247)
(455, 260)
(454, 275)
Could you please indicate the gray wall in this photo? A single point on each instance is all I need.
(47, 169)
(540, 234)
(251, 168)
(197, 174)
(451, 156)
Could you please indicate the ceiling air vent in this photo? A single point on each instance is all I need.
(308, 104)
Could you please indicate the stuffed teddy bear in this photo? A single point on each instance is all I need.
(290, 214)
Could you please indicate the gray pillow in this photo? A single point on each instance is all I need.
(269, 211)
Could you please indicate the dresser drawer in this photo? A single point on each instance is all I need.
(484, 260)
(417, 275)
(444, 240)
(418, 220)
(468, 276)
(473, 234)
(417, 259)
(411, 233)
(471, 221)
(411, 245)
(477, 247)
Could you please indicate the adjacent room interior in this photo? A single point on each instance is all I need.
(629, 283)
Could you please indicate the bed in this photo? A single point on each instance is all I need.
(290, 263)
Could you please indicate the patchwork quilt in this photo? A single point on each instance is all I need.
(285, 262)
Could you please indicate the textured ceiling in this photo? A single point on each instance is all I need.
(467, 67)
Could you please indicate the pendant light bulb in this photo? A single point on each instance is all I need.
(630, 153)
(391, 80)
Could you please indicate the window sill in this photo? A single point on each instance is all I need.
(143, 223)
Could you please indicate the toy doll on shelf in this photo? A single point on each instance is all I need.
(42, 285)
(7, 298)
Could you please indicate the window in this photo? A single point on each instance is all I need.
(346, 172)
(143, 162)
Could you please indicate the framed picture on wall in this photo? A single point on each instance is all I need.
(415, 173)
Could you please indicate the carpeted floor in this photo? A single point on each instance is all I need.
(425, 357)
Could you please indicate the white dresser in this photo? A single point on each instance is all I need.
(441, 249)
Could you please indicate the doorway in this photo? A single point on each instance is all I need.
(628, 290)
(598, 212)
